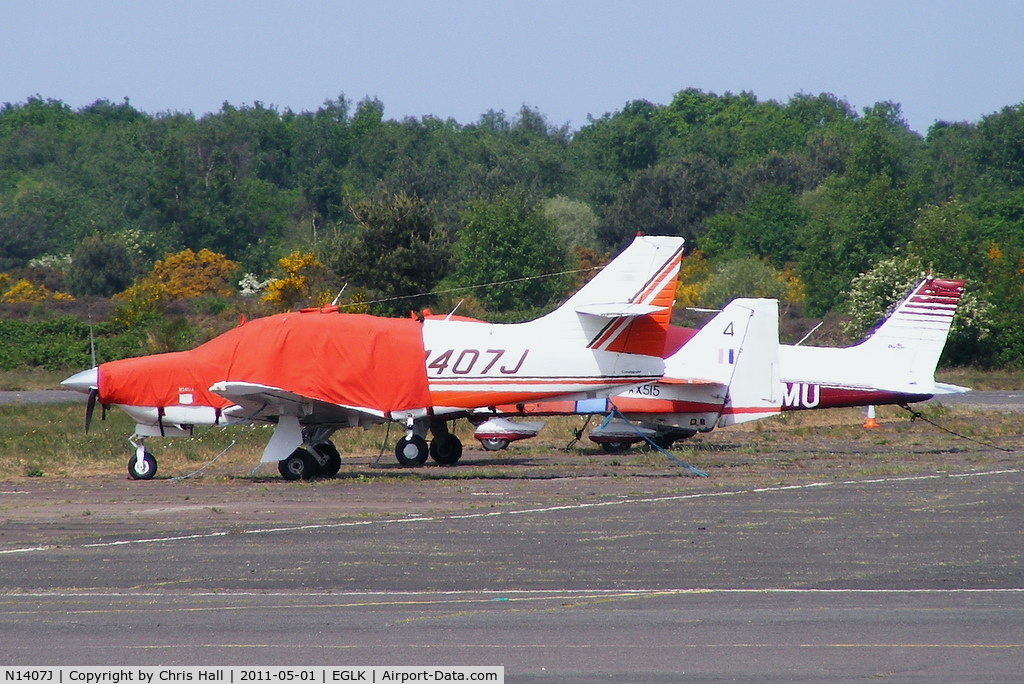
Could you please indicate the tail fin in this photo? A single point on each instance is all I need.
(627, 307)
(922, 320)
(756, 391)
(738, 349)
(610, 333)
(901, 353)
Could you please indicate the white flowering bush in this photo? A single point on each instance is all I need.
(250, 285)
(57, 262)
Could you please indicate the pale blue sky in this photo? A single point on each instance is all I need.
(940, 60)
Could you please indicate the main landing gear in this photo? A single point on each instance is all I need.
(412, 450)
(322, 460)
(661, 439)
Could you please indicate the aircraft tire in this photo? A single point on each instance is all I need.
(664, 440)
(667, 439)
(615, 447)
(144, 469)
(333, 465)
(494, 443)
(300, 464)
(412, 451)
(446, 449)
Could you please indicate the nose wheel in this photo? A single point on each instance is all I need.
(142, 465)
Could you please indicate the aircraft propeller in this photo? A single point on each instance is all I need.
(90, 406)
(87, 381)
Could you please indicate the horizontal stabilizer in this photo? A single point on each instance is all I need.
(946, 388)
(626, 308)
(691, 382)
(620, 309)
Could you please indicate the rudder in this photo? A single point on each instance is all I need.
(627, 307)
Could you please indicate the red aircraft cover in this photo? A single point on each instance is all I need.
(349, 359)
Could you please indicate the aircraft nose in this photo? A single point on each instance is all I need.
(83, 381)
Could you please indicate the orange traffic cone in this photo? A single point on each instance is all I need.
(870, 422)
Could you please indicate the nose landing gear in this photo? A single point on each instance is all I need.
(141, 465)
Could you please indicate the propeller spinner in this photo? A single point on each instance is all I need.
(86, 381)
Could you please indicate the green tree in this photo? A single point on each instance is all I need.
(848, 229)
(29, 221)
(610, 149)
(950, 163)
(217, 183)
(667, 199)
(883, 147)
(865, 214)
(509, 245)
(808, 179)
(768, 228)
(100, 266)
(33, 135)
(746, 277)
(1000, 146)
(575, 221)
(321, 145)
(395, 252)
(948, 239)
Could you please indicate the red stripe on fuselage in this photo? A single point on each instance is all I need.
(805, 396)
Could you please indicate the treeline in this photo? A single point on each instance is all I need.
(793, 200)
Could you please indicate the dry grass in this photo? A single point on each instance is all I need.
(1007, 379)
(48, 441)
(983, 380)
(28, 379)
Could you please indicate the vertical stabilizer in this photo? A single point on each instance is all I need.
(627, 307)
(739, 349)
(920, 323)
(756, 391)
(610, 333)
(900, 355)
(726, 373)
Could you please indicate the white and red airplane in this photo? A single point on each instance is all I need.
(726, 372)
(313, 372)
(893, 365)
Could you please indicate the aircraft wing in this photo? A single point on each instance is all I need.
(266, 403)
(294, 413)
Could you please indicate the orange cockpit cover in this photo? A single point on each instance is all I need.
(350, 359)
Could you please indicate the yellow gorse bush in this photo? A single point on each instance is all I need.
(693, 277)
(184, 275)
(23, 291)
(285, 293)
